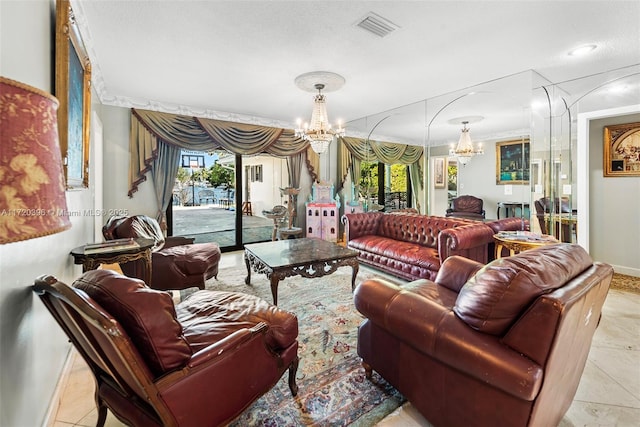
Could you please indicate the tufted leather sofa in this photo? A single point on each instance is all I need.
(198, 363)
(412, 246)
(498, 345)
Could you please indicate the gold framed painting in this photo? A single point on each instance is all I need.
(622, 150)
(512, 162)
(73, 90)
(438, 172)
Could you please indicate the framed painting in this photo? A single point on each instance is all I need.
(439, 176)
(512, 162)
(622, 150)
(73, 90)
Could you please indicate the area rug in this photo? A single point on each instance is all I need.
(622, 282)
(333, 390)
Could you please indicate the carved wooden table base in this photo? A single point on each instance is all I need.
(308, 269)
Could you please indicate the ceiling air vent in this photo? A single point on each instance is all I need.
(377, 25)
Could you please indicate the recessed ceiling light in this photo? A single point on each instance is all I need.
(582, 50)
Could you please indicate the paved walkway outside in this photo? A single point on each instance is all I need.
(211, 223)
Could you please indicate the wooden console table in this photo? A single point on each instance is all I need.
(91, 261)
(510, 207)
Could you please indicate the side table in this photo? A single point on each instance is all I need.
(518, 241)
(510, 208)
(92, 261)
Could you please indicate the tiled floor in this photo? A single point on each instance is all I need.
(608, 395)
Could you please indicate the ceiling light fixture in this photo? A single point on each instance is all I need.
(465, 150)
(582, 50)
(319, 131)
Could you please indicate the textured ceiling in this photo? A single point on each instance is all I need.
(238, 60)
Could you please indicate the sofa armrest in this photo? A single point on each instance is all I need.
(455, 271)
(226, 344)
(172, 241)
(437, 332)
(458, 240)
(361, 224)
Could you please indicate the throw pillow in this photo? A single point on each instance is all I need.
(147, 315)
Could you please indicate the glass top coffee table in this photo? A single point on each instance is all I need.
(302, 257)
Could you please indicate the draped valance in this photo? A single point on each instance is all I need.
(389, 153)
(385, 152)
(148, 128)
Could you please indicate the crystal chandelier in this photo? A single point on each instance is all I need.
(465, 150)
(318, 132)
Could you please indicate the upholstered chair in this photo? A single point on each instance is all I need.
(560, 206)
(199, 363)
(502, 344)
(469, 207)
(176, 262)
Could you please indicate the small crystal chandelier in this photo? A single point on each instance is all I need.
(318, 132)
(465, 149)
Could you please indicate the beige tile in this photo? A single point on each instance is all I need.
(621, 365)
(91, 419)
(77, 399)
(598, 387)
(620, 323)
(405, 416)
(112, 421)
(594, 414)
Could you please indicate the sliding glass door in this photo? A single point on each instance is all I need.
(220, 197)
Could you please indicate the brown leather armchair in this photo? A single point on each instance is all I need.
(176, 262)
(200, 363)
(469, 207)
(498, 345)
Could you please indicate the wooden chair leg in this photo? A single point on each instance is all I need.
(368, 370)
(102, 414)
(293, 370)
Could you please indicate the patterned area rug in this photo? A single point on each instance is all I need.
(622, 282)
(333, 390)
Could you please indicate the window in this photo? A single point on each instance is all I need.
(256, 173)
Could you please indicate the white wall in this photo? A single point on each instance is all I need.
(614, 206)
(116, 122)
(266, 194)
(33, 348)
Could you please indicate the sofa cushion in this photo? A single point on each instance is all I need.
(209, 316)
(497, 295)
(147, 315)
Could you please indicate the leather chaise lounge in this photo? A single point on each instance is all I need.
(498, 345)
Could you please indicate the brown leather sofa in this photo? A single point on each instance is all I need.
(200, 363)
(412, 246)
(176, 262)
(498, 345)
